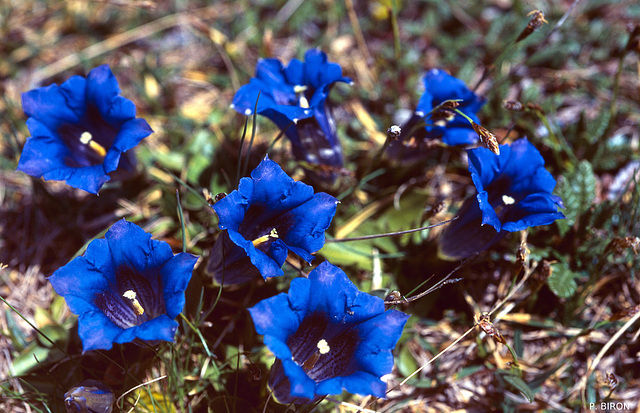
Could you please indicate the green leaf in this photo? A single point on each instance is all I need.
(577, 191)
(355, 253)
(406, 363)
(18, 338)
(519, 384)
(597, 126)
(32, 355)
(562, 281)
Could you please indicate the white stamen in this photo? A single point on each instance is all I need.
(86, 137)
(323, 346)
(304, 103)
(247, 112)
(261, 240)
(131, 295)
(508, 200)
(326, 152)
(299, 88)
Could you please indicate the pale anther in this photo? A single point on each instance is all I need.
(131, 295)
(323, 346)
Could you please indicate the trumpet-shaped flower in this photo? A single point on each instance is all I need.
(80, 131)
(439, 87)
(125, 287)
(294, 98)
(268, 215)
(514, 193)
(327, 336)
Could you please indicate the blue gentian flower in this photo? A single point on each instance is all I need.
(514, 193)
(80, 131)
(297, 94)
(125, 287)
(268, 215)
(326, 336)
(439, 87)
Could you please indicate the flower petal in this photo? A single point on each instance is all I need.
(160, 328)
(277, 320)
(301, 384)
(43, 151)
(360, 382)
(307, 235)
(129, 136)
(103, 90)
(442, 86)
(535, 209)
(176, 274)
(378, 337)
(130, 245)
(53, 105)
(96, 331)
(336, 296)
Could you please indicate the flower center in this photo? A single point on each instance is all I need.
(131, 295)
(87, 139)
(323, 348)
(299, 91)
(508, 200)
(261, 240)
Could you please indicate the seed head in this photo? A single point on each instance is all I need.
(450, 104)
(487, 138)
(443, 116)
(394, 132)
(536, 22)
(513, 105)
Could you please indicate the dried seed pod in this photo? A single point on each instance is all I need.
(626, 313)
(394, 298)
(612, 380)
(487, 138)
(256, 373)
(536, 22)
(513, 105)
(523, 252)
(534, 107)
(483, 320)
(394, 132)
(449, 104)
(443, 115)
(546, 270)
(620, 245)
(433, 210)
(207, 196)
